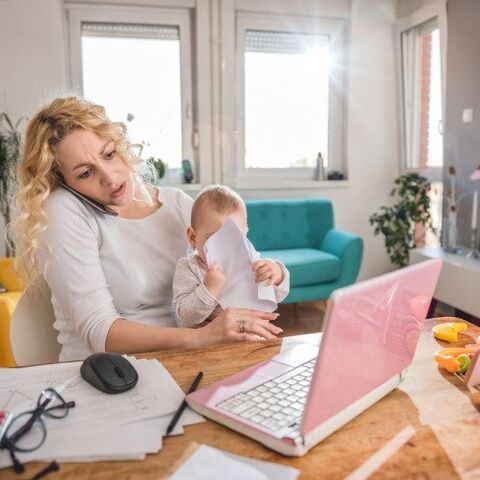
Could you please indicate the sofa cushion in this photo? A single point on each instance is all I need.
(307, 266)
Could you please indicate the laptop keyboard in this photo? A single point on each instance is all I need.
(275, 404)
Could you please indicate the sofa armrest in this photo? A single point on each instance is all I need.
(349, 249)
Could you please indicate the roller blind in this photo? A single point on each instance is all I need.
(283, 42)
(162, 32)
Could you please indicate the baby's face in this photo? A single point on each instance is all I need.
(210, 224)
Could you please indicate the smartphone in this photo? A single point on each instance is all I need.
(472, 375)
(96, 205)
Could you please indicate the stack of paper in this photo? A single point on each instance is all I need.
(101, 426)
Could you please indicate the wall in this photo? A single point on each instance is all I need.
(35, 29)
(407, 7)
(462, 141)
(32, 58)
(32, 53)
(372, 125)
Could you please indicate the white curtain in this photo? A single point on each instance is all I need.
(411, 95)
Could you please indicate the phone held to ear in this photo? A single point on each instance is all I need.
(96, 205)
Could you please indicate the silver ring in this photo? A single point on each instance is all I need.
(241, 325)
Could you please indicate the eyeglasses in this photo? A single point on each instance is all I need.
(27, 432)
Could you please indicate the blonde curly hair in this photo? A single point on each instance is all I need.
(38, 172)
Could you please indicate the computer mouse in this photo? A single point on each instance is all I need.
(109, 372)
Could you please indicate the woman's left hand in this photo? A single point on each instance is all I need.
(238, 325)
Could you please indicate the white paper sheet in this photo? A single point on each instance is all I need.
(234, 253)
(208, 462)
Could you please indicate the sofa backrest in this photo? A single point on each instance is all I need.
(284, 224)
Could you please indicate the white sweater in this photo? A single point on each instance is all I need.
(101, 267)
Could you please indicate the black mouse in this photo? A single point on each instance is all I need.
(109, 372)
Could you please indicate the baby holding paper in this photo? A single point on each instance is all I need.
(197, 286)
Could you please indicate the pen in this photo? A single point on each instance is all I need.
(183, 405)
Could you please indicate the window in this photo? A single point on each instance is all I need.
(287, 106)
(422, 96)
(138, 65)
(421, 41)
(134, 72)
(286, 122)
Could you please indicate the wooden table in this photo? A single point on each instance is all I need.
(442, 411)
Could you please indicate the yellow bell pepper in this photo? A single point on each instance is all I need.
(447, 357)
(448, 331)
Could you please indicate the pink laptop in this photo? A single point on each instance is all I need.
(302, 395)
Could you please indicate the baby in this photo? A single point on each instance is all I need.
(196, 287)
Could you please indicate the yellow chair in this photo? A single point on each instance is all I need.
(8, 302)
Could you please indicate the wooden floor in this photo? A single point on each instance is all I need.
(307, 317)
(299, 318)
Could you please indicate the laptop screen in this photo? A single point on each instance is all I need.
(371, 334)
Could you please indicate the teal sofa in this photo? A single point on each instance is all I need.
(301, 234)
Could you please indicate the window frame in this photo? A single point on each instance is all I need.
(435, 11)
(178, 17)
(335, 30)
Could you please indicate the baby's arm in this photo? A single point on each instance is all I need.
(274, 273)
(193, 302)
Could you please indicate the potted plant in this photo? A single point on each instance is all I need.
(9, 154)
(397, 223)
(160, 167)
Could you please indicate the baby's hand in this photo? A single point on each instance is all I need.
(215, 280)
(269, 270)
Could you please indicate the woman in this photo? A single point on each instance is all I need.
(109, 259)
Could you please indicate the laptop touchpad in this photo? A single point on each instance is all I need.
(297, 355)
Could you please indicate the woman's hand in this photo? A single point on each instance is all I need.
(239, 325)
(269, 270)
